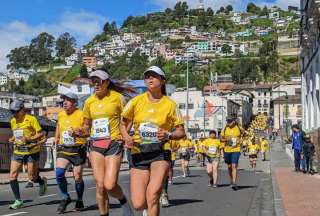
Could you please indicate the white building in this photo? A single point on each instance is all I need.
(205, 112)
(3, 79)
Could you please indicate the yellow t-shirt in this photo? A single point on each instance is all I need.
(105, 115)
(233, 136)
(212, 147)
(200, 146)
(253, 149)
(148, 117)
(264, 145)
(67, 122)
(28, 127)
(173, 145)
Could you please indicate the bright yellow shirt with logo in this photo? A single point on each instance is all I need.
(70, 122)
(264, 145)
(105, 114)
(28, 127)
(143, 112)
(253, 149)
(233, 136)
(212, 147)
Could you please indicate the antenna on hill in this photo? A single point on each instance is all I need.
(201, 4)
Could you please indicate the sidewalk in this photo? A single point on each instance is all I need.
(23, 177)
(295, 194)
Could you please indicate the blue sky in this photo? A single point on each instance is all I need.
(21, 20)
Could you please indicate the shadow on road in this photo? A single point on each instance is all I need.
(193, 176)
(181, 183)
(223, 185)
(242, 187)
(177, 202)
(8, 202)
(95, 207)
(53, 202)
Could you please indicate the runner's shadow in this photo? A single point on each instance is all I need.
(223, 185)
(53, 202)
(7, 202)
(95, 207)
(242, 187)
(177, 202)
(181, 183)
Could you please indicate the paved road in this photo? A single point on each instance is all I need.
(188, 196)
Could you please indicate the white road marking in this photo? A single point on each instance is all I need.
(177, 176)
(90, 188)
(17, 213)
(50, 195)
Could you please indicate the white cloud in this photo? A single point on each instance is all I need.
(216, 4)
(82, 25)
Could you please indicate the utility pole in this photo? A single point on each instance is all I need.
(187, 103)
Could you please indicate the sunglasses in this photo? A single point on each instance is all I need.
(97, 81)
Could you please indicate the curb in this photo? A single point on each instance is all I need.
(279, 209)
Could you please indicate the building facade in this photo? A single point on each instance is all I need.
(310, 64)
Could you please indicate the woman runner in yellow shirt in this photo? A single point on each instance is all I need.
(153, 116)
(212, 151)
(253, 149)
(264, 144)
(27, 134)
(102, 113)
(184, 155)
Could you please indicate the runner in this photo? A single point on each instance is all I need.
(153, 115)
(102, 113)
(27, 133)
(212, 149)
(184, 155)
(264, 148)
(202, 151)
(71, 148)
(231, 136)
(253, 149)
(164, 199)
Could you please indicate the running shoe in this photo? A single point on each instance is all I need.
(63, 205)
(164, 201)
(234, 187)
(29, 184)
(145, 212)
(16, 205)
(210, 183)
(43, 187)
(79, 205)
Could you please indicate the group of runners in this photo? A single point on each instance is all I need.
(105, 123)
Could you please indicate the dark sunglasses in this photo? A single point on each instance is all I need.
(97, 81)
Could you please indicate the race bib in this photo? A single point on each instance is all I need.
(183, 150)
(212, 150)
(148, 133)
(233, 142)
(252, 151)
(67, 139)
(18, 134)
(100, 129)
(23, 148)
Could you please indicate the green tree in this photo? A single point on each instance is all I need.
(226, 49)
(19, 57)
(65, 45)
(229, 8)
(210, 12)
(264, 11)
(111, 28)
(41, 48)
(252, 8)
(221, 10)
(84, 71)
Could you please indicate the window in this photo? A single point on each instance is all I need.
(259, 93)
(265, 94)
(182, 106)
(190, 106)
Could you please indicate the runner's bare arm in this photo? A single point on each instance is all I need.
(86, 127)
(125, 126)
(57, 136)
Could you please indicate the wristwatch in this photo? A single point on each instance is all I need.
(169, 136)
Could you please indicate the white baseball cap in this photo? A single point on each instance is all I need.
(103, 75)
(156, 70)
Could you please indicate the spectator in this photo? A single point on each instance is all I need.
(308, 151)
(297, 139)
